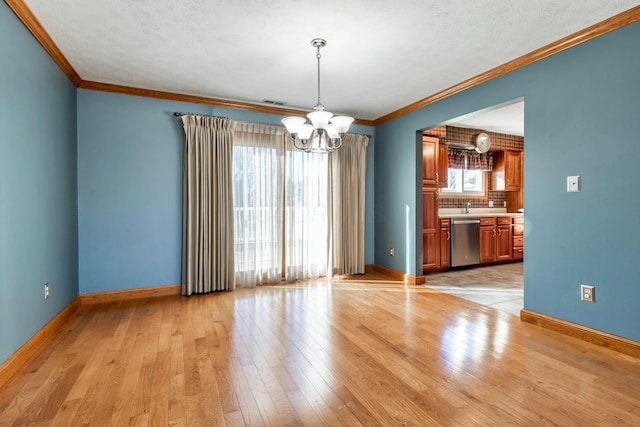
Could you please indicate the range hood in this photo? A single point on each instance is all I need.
(460, 145)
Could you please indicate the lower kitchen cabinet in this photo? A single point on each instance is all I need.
(487, 239)
(430, 229)
(518, 237)
(503, 239)
(445, 242)
(495, 239)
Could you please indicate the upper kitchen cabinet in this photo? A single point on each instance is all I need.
(434, 162)
(443, 166)
(507, 171)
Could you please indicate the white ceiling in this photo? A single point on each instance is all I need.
(381, 55)
(507, 119)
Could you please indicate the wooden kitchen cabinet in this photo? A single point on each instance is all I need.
(435, 162)
(518, 237)
(495, 239)
(445, 242)
(507, 171)
(487, 239)
(442, 174)
(504, 243)
(429, 161)
(430, 229)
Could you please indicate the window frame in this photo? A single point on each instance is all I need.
(463, 195)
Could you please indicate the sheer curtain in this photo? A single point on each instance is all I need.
(207, 242)
(258, 155)
(347, 179)
(306, 216)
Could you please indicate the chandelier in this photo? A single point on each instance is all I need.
(326, 131)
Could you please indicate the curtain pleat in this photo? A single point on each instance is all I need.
(347, 179)
(258, 201)
(207, 245)
(457, 159)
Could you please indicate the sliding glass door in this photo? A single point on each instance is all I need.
(280, 209)
(306, 215)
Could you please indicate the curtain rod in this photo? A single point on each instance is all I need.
(179, 114)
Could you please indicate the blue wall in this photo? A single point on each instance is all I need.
(38, 193)
(130, 188)
(581, 118)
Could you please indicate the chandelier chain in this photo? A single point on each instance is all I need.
(319, 106)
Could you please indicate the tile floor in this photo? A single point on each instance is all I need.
(497, 286)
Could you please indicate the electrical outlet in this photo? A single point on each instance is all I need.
(46, 291)
(392, 252)
(490, 203)
(587, 293)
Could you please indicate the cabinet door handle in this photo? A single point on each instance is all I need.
(437, 179)
(499, 232)
(448, 235)
(494, 232)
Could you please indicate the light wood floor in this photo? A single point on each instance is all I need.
(322, 353)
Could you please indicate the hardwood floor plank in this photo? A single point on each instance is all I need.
(248, 406)
(368, 352)
(210, 395)
(65, 414)
(176, 406)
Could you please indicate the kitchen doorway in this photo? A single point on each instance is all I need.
(500, 286)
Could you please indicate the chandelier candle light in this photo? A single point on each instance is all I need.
(326, 131)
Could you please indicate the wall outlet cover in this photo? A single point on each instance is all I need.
(587, 293)
(573, 184)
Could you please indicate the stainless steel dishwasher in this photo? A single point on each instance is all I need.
(465, 242)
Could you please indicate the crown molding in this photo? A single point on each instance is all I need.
(29, 20)
(617, 21)
(171, 96)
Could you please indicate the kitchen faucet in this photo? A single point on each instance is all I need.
(467, 208)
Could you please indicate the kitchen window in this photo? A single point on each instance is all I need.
(465, 182)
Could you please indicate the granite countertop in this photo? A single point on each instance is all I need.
(481, 215)
(457, 213)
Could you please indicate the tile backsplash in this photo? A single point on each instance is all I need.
(498, 197)
(499, 142)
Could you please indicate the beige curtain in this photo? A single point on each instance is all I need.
(347, 172)
(207, 235)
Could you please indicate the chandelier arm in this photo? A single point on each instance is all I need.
(297, 142)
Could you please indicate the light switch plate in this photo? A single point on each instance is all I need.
(573, 184)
